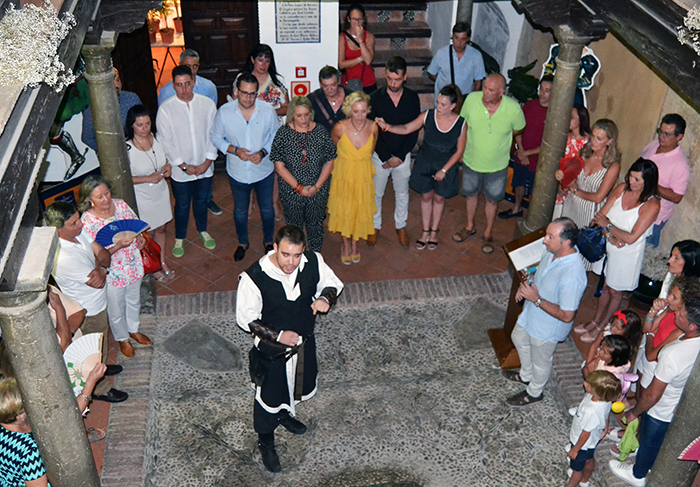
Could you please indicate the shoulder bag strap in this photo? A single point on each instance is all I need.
(320, 103)
(452, 66)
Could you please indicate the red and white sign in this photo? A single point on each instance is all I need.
(301, 88)
(301, 71)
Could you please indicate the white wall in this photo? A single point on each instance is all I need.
(313, 56)
(441, 18)
(515, 25)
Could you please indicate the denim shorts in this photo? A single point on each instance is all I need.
(579, 462)
(493, 184)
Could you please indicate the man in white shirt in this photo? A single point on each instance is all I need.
(657, 406)
(80, 270)
(184, 122)
(277, 300)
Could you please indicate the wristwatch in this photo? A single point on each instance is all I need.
(538, 303)
(609, 226)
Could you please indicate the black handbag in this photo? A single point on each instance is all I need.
(591, 243)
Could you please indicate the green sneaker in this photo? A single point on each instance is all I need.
(178, 248)
(208, 242)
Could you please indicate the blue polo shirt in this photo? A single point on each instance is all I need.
(561, 281)
(467, 70)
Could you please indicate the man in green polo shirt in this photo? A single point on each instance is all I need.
(492, 121)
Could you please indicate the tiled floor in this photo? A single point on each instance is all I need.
(202, 270)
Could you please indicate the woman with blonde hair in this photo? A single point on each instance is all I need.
(351, 200)
(303, 154)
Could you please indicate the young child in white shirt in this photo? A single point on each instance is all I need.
(602, 388)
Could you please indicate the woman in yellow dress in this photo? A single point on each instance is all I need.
(351, 199)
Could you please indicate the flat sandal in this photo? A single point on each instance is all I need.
(432, 245)
(420, 245)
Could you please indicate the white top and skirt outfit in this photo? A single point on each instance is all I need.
(152, 200)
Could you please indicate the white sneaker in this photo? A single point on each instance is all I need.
(624, 472)
(570, 472)
(617, 454)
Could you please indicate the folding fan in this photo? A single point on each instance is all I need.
(118, 230)
(692, 451)
(571, 167)
(80, 357)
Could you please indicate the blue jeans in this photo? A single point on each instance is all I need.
(655, 236)
(194, 193)
(651, 435)
(241, 200)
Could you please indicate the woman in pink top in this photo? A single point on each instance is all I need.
(126, 270)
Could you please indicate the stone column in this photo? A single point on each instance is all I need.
(556, 130)
(106, 115)
(668, 471)
(464, 11)
(35, 356)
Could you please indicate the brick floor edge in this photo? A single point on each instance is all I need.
(126, 437)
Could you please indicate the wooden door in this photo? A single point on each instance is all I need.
(223, 33)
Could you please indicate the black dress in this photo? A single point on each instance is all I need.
(437, 148)
(288, 147)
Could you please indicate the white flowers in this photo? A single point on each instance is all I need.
(689, 33)
(29, 40)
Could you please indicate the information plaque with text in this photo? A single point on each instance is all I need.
(298, 21)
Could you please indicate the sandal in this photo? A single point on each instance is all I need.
(523, 399)
(95, 434)
(584, 327)
(463, 234)
(486, 247)
(420, 244)
(345, 260)
(432, 244)
(513, 375)
(355, 258)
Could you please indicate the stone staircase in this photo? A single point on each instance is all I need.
(401, 29)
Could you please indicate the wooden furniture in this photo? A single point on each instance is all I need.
(500, 337)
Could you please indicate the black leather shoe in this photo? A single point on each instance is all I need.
(269, 457)
(269, 247)
(114, 395)
(293, 425)
(113, 370)
(240, 252)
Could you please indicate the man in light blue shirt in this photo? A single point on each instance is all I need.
(551, 303)
(243, 130)
(467, 61)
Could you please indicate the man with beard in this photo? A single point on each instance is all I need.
(277, 300)
(397, 105)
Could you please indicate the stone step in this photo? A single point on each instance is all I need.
(386, 43)
(412, 71)
(401, 29)
(413, 57)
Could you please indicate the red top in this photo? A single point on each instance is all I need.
(667, 325)
(355, 72)
(535, 114)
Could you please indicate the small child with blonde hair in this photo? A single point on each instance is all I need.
(591, 419)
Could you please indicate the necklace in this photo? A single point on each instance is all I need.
(302, 145)
(358, 131)
(154, 161)
(337, 98)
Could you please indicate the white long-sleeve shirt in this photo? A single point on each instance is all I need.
(183, 129)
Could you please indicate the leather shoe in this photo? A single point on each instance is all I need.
(240, 252)
(113, 395)
(403, 237)
(113, 370)
(140, 338)
(372, 239)
(292, 424)
(127, 348)
(269, 457)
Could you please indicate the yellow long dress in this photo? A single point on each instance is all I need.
(351, 200)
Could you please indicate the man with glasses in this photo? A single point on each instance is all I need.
(243, 130)
(674, 172)
(327, 100)
(202, 86)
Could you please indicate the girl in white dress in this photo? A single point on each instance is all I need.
(149, 168)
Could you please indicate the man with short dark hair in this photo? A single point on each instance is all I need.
(328, 99)
(201, 86)
(674, 171)
(80, 270)
(467, 67)
(492, 120)
(397, 105)
(528, 153)
(183, 124)
(277, 300)
(551, 302)
(657, 406)
(244, 130)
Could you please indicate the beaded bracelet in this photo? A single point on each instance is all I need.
(299, 188)
(386, 128)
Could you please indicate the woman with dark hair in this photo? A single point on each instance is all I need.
(149, 168)
(579, 135)
(261, 63)
(356, 50)
(99, 209)
(435, 174)
(584, 197)
(303, 154)
(627, 216)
